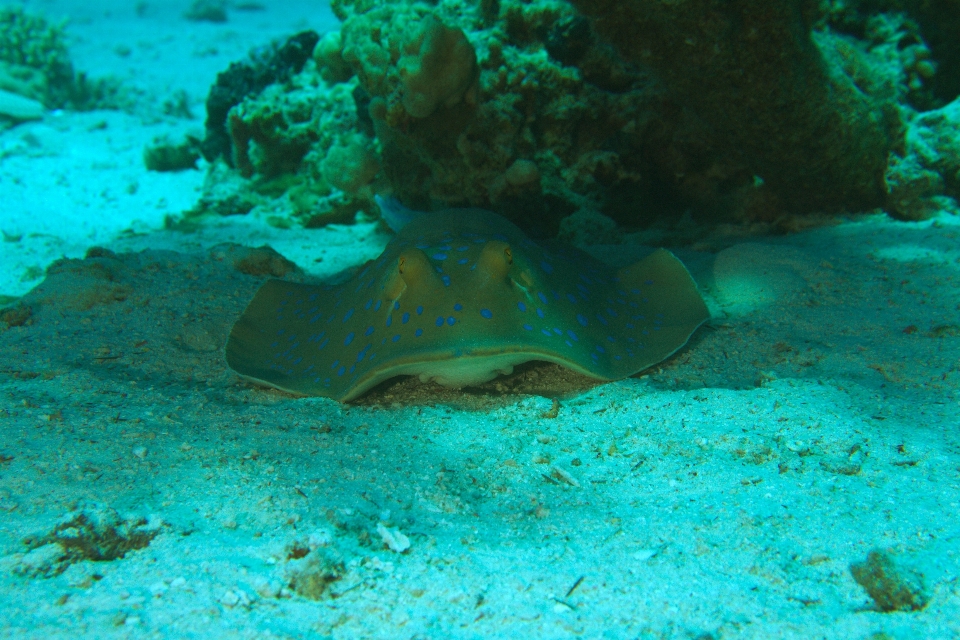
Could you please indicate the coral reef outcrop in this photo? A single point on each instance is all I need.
(754, 73)
(630, 113)
(273, 64)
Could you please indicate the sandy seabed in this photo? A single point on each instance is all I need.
(732, 492)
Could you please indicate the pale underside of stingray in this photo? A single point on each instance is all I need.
(458, 298)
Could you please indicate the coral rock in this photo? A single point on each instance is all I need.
(439, 67)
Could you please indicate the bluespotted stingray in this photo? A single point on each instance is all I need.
(460, 297)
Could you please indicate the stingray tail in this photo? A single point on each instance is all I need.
(394, 213)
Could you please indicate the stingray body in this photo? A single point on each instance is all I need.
(459, 297)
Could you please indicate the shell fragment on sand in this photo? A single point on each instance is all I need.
(17, 107)
(460, 297)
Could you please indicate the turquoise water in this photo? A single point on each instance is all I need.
(792, 470)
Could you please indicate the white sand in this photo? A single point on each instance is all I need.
(724, 495)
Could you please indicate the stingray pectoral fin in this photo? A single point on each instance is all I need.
(672, 298)
(250, 348)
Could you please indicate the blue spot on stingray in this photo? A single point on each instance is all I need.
(558, 331)
(545, 332)
(376, 307)
(372, 356)
(369, 304)
(389, 320)
(439, 256)
(446, 280)
(573, 336)
(439, 321)
(349, 338)
(315, 318)
(418, 332)
(335, 364)
(458, 307)
(616, 357)
(539, 312)
(341, 371)
(280, 332)
(568, 343)
(463, 261)
(368, 331)
(451, 320)
(405, 318)
(396, 337)
(572, 298)
(546, 266)
(396, 304)
(602, 320)
(274, 345)
(635, 292)
(611, 312)
(486, 313)
(353, 368)
(420, 310)
(648, 282)
(323, 344)
(348, 314)
(463, 248)
(422, 245)
(297, 361)
(528, 327)
(610, 339)
(521, 306)
(542, 297)
(601, 349)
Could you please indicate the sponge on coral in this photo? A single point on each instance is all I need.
(350, 165)
(438, 68)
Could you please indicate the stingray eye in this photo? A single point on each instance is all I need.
(400, 264)
(508, 255)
